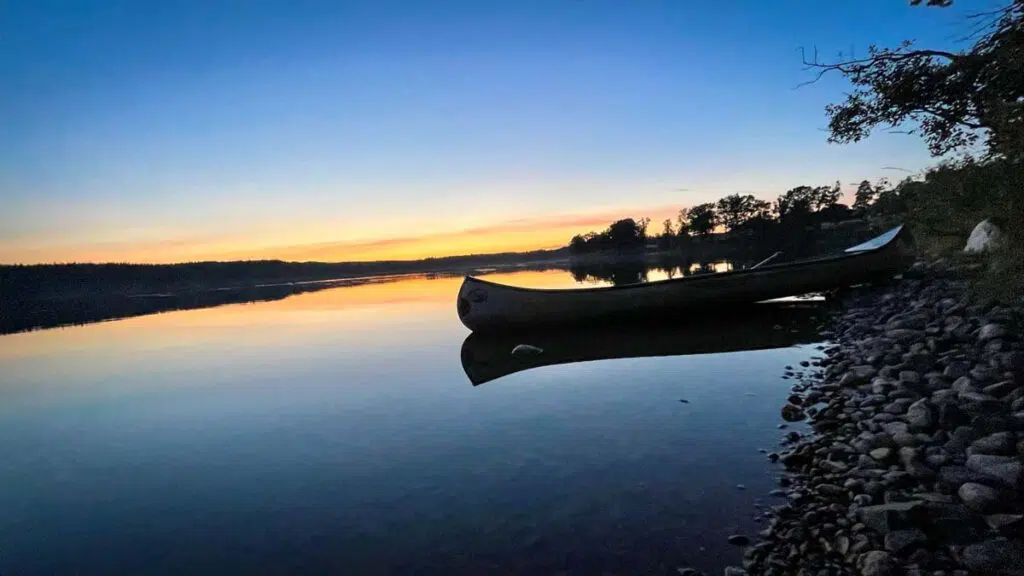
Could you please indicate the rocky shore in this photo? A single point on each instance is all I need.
(914, 458)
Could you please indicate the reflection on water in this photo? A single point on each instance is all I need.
(486, 357)
(620, 272)
(334, 432)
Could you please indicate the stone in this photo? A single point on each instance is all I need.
(875, 563)
(990, 332)
(905, 439)
(981, 374)
(955, 370)
(881, 454)
(791, 413)
(963, 384)
(1000, 389)
(978, 403)
(900, 541)
(950, 416)
(1000, 522)
(884, 518)
(910, 377)
(979, 497)
(920, 415)
(1003, 469)
(688, 572)
(1000, 444)
(985, 236)
(997, 556)
(905, 335)
(734, 571)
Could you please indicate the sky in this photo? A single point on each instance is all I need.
(339, 130)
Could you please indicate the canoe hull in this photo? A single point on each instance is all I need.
(484, 305)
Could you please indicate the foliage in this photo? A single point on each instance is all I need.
(952, 99)
(701, 219)
(625, 234)
(865, 195)
(735, 210)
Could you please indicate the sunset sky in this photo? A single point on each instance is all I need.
(354, 130)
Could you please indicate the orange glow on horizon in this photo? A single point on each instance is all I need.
(520, 235)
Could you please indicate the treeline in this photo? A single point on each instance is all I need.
(22, 283)
(791, 214)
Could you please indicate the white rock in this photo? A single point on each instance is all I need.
(984, 237)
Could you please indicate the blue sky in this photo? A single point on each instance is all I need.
(187, 129)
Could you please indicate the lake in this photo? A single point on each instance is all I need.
(339, 431)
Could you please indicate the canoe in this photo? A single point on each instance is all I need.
(487, 356)
(484, 305)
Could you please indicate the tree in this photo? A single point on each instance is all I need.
(626, 233)
(578, 244)
(667, 235)
(682, 222)
(865, 196)
(735, 210)
(822, 197)
(701, 218)
(795, 202)
(951, 99)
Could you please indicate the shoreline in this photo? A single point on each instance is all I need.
(914, 460)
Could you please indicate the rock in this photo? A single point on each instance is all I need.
(1001, 522)
(900, 541)
(734, 571)
(979, 497)
(910, 377)
(978, 403)
(526, 350)
(905, 439)
(1003, 469)
(688, 572)
(991, 332)
(739, 540)
(950, 417)
(1000, 444)
(905, 335)
(884, 518)
(920, 415)
(875, 563)
(955, 370)
(881, 454)
(963, 384)
(795, 400)
(1000, 389)
(791, 413)
(998, 556)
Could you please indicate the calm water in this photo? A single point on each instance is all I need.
(337, 432)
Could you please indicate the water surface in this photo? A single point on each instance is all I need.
(338, 431)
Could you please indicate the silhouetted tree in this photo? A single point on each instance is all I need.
(951, 99)
(865, 196)
(795, 203)
(702, 218)
(735, 210)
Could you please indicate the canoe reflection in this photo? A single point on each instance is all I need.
(488, 356)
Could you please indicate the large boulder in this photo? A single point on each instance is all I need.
(985, 236)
